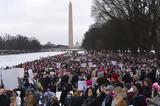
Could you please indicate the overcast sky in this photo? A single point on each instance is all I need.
(47, 20)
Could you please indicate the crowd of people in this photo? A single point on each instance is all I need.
(111, 79)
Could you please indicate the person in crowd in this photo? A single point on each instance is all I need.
(119, 97)
(53, 102)
(155, 100)
(147, 88)
(138, 98)
(49, 94)
(131, 75)
(13, 101)
(64, 95)
(4, 99)
(105, 97)
(30, 99)
(78, 98)
(91, 98)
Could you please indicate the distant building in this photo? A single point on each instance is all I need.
(70, 27)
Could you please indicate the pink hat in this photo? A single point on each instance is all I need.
(156, 86)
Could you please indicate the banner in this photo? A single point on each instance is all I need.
(10, 79)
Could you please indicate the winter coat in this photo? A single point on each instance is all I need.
(77, 101)
(4, 100)
(90, 101)
(139, 100)
(63, 96)
(107, 100)
(100, 99)
(154, 101)
(147, 92)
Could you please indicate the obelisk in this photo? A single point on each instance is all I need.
(70, 27)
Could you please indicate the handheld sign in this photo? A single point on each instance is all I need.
(20, 72)
(94, 65)
(83, 65)
(30, 73)
(58, 65)
(10, 79)
(30, 76)
(90, 64)
(114, 63)
(120, 65)
(82, 85)
(51, 73)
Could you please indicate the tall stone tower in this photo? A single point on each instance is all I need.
(70, 27)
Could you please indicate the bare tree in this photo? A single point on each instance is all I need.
(143, 16)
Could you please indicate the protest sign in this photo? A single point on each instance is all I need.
(30, 73)
(90, 64)
(30, 80)
(90, 60)
(20, 72)
(120, 65)
(58, 65)
(51, 73)
(0, 77)
(94, 65)
(78, 60)
(114, 63)
(83, 65)
(10, 79)
(82, 85)
(58, 95)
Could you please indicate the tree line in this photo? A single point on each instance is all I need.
(19, 42)
(123, 25)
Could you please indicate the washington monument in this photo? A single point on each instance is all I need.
(70, 27)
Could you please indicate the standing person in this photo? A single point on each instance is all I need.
(155, 100)
(105, 97)
(138, 97)
(53, 102)
(29, 99)
(78, 98)
(63, 96)
(91, 98)
(119, 99)
(49, 94)
(4, 100)
(13, 101)
(22, 93)
(147, 88)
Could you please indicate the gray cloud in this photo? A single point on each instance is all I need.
(46, 20)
